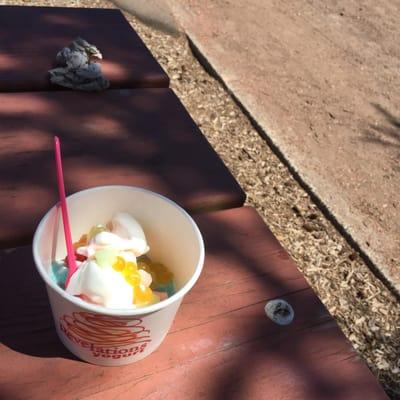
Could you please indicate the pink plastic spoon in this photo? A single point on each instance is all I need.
(64, 211)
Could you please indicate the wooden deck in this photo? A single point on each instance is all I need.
(141, 137)
(221, 344)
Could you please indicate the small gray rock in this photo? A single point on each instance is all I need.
(279, 311)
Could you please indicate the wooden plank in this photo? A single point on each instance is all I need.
(259, 371)
(30, 38)
(220, 346)
(141, 137)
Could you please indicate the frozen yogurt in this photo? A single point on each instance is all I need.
(113, 269)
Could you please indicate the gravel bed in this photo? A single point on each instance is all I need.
(365, 309)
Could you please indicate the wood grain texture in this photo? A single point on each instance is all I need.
(30, 38)
(140, 137)
(221, 344)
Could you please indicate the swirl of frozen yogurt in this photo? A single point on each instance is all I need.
(99, 281)
(101, 285)
(126, 235)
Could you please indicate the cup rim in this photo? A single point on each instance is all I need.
(119, 311)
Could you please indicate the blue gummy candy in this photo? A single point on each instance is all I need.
(58, 273)
(169, 288)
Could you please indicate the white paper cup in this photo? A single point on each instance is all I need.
(107, 336)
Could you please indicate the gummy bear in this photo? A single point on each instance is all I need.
(133, 279)
(162, 275)
(129, 269)
(168, 288)
(59, 272)
(78, 257)
(142, 295)
(105, 257)
(95, 230)
(119, 264)
(146, 267)
(81, 242)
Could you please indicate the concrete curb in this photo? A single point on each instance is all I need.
(199, 54)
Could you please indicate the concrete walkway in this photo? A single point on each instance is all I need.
(322, 82)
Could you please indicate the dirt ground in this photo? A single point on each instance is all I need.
(321, 79)
(365, 309)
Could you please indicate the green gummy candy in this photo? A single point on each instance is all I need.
(106, 257)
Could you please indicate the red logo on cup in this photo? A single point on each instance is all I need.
(106, 336)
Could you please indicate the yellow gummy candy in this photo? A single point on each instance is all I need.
(142, 295)
(133, 279)
(154, 299)
(129, 269)
(119, 264)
